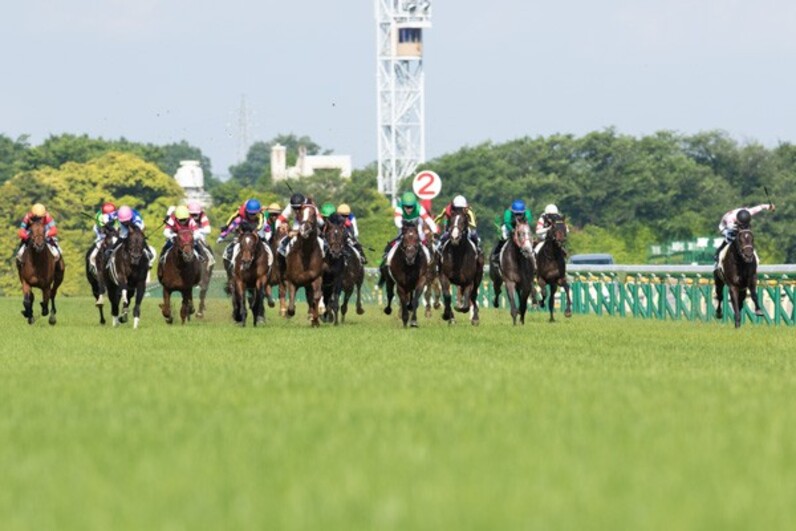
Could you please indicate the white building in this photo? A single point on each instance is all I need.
(192, 180)
(306, 164)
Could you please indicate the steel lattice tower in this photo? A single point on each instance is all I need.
(400, 90)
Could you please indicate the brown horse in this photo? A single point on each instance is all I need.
(335, 269)
(180, 270)
(38, 268)
(304, 264)
(462, 265)
(207, 275)
(551, 264)
(515, 267)
(738, 272)
(250, 268)
(407, 269)
(95, 271)
(277, 275)
(432, 290)
(127, 271)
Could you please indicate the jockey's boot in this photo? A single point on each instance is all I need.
(150, 252)
(200, 254)
(166, 246)
(20, 250)
(361, 252)
(717, 253)
(282, 249)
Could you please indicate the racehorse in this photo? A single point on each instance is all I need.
(277, 275)
(353, 277)
(304, 264)
(335, 268)
(179, 270)
(250, 268)
(38, 268)
(551, 264)
(460, 264)
(207, 275)
(127, 269)
(738, 272)
(95, 272)
(515, 267)
(407, 269)
(433, 290)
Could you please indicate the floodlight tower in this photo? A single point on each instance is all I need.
(400, 89)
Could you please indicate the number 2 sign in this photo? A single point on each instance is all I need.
(427, 185)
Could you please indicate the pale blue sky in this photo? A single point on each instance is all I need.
(166, 70)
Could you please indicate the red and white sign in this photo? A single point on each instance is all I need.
(427, 185)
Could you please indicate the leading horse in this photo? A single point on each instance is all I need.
(406, 268)
(460, 264)
(180, 270)
(95, 269)
(515, 267)
(551, 264)
(335, 270)
(127, 270)
(38, 268)
(304, 264)
(738, 271)
(250, 268)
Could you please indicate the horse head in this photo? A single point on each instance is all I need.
(522, 238)
(458, 227)
(185, 244)
(309, 222)
(38, 236)
(247, 242)
(745, 243)
(135, 244)
(335, 237)
(410, 242)
(558, 230)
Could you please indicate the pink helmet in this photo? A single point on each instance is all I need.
(125, 213)
(194, 207)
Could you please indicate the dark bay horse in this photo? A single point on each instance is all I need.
(277, 275)
(180, 270)
(551, 264)
(38, 268)
(127, 272)
(353, 277)
(250, 268)
(335, 269)
(516, 268)
(462, 265)
(304, 264)
(207, 275)
(95, 272)
(408, 270)
(738, 272)
(432, 290)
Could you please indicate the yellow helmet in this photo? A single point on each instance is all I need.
(344, 209)
(274, 208)
(182, 212)
(38, 210)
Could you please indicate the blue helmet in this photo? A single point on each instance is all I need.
(253, 206)
(518, 206)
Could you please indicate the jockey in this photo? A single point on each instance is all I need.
(38, 212)
(272, 211)
(327, 209)
(544, 224)
(458, 205)
(409, 210)
(103, 224)
(733, 220)
(297, 201)
(352, 230)
(517, 211)
(178, 220)
(250, 212)
(200, 217)
(127, 217)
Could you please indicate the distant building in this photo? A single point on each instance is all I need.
(192, 180)
(306, 164)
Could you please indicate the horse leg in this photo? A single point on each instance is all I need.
(736, 301)
(27, 302)
(314, 293)
(165, 307)
(511, 293)
(240, 294)
(427, 297)
(259, 300)
(45, 301)
(139, 296)
(404, 298)
(753, 295)
(523, 305)
(447, 313)
(497, 281)
(390, 289)
(269, 296)
(344, 307)
(719, 287)
(475, 320)
(202, 295)
(291, 302)
(551, 301)
(415, 303)
(185, 306)
(565, 286)
(465, 293)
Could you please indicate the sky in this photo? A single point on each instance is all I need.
(163, 71)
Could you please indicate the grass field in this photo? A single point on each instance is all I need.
(589, 423)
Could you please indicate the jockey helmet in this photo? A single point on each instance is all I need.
(38, 210)
(551, 209)
(297, 199)
(274, 208)
(518, 206)
(459, 202)
(344, 209)
(744, 217)
(125, 214)
(182, 213)
(327, 209)
(108, 208)
(253, 206)
(194, 207)
(408, 199)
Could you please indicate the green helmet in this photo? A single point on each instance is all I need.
(327, 209)
(408, 199)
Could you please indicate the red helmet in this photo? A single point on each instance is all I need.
(108, 208)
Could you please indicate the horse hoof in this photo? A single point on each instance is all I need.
(290, 313)
(452, 322)
(388, 311)
(31, 320)
(437, 305)
(428, 314)
(413, 324)
(123, 319)
(360, 310)
(200, 315)
(568, 313)
(169, 320)
(271, 304)
(51, 320)
(260, 321)
(136, 322)
(241, 324)
(759, 313)
(475, 322)
(463, 309)
(495, 303)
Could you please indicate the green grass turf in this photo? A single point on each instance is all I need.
(588, 423)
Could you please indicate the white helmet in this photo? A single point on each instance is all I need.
(551, 209)
(459, 202)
